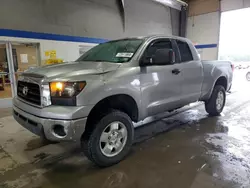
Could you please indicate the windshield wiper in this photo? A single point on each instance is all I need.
(97, 60)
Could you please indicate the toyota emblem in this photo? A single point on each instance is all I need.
(25, 90)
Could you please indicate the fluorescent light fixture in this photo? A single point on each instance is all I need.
(165, 2)
(176, 4)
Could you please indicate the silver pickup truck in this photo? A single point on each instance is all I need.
(96, 99)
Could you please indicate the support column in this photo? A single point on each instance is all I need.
(11, 68)
(183, 21)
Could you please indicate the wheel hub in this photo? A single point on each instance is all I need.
(113, 139)
(219, 100)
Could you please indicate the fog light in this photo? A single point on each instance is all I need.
(59, 130)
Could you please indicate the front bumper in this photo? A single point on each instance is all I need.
(44, 126)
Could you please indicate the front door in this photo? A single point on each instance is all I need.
(160, 84)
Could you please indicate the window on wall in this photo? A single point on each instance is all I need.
(185, 52)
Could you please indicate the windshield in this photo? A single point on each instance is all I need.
(118, 51)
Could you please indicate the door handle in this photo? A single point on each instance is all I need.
(176, 71)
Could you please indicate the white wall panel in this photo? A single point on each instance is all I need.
(204, 29)
(227, 5)
(208, 53)
(231, 4)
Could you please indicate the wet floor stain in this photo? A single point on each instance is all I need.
(6, 162)
(35, 144)
(187, 150)
(41, 156)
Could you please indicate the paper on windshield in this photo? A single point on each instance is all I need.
(124, 54)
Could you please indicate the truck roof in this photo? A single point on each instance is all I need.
(164, 36)
(154, 37)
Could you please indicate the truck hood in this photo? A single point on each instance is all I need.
(73, 69)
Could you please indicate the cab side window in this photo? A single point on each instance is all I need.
(150, 52)
(185, 52)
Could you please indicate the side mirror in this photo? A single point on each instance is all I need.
(161, 57)
(164, 57)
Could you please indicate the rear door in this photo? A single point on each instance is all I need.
(191, 73)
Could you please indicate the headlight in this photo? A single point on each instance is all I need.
(64, 93)
(46, 100)
(66, 89)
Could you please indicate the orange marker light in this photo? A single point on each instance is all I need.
(59, 86)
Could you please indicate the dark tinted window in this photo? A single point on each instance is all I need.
(153, 47)
(158, 45)
(185, 52)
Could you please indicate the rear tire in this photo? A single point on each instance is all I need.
(111, 139)
(248, 76)
(214, 106)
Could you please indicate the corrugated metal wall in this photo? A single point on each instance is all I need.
(144, 17)
(91, 18)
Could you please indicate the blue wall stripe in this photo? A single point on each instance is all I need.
(47, 36)
(202, 46)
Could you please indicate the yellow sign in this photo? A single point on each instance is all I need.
(53, 61)
(47, 53)
(51, 54)
(51, 57)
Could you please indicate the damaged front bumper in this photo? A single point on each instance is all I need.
(66, 128)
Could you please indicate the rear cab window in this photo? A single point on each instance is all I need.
(185, 52)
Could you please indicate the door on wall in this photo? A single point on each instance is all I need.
(5, 79)
(15, 58)
(234, 46)
(25, 56)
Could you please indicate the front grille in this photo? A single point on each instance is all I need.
(32, 93)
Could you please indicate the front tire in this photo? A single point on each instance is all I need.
(214, 106)
(111, 139)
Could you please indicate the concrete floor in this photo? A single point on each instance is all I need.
(188, 149)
